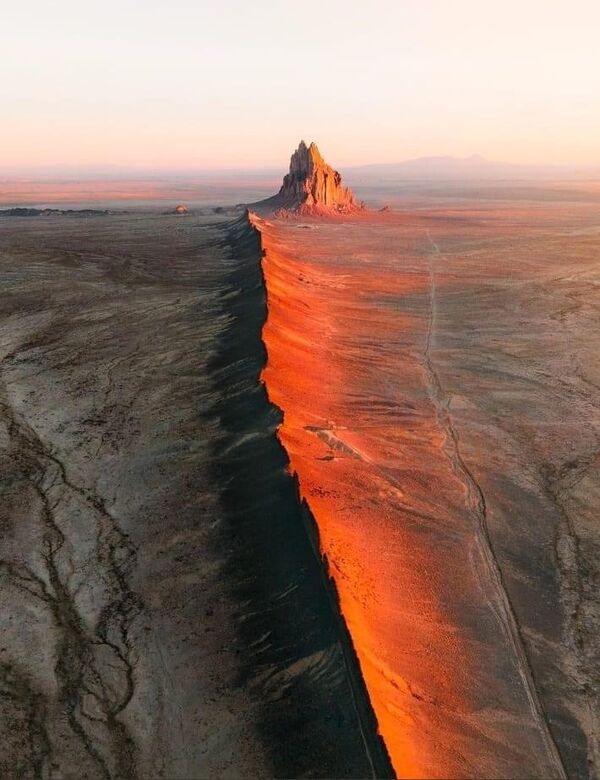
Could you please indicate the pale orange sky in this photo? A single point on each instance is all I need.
(197, 84)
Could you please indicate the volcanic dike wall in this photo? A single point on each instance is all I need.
(368, 438)
(373, 745)
(284, 368)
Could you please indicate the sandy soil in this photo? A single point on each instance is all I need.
(162, 611)
(439, 377)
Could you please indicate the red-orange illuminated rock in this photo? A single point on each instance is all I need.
(368, 425)
(312, 186)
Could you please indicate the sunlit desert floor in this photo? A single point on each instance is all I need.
(439, 376)
(429, 374)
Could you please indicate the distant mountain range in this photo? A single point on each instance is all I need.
(461, 168)
(475, 167)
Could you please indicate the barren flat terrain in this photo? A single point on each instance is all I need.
(438, 372)
(428, 374)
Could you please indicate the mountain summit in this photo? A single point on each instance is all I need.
(314, 187)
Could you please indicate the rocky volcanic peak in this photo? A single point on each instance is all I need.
(313, 186)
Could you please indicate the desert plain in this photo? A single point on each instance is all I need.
(449, 453)
(293, 495)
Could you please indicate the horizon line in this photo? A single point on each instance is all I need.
(121, 170)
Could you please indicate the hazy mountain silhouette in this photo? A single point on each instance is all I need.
(473, 167)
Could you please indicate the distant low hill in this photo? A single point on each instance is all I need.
(461, 168)
(30, 212)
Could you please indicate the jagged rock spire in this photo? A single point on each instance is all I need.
(312, 185)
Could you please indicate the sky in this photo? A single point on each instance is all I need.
(235, 84)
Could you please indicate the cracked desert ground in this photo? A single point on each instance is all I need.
(436, 367)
